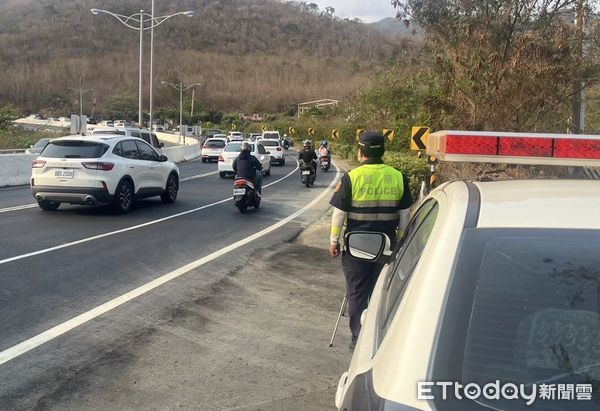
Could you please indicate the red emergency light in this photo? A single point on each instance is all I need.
(519, 148)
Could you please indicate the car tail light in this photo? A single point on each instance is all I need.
(221, 159)
(38, 163)
(279, 149)
(98, 165)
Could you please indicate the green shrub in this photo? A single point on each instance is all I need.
(414, 168)
(17, 138)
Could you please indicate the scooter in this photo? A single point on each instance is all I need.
(245, 195)
(308, 174)
(325, 164)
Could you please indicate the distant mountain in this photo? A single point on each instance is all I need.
(250, 55)
(392, 26)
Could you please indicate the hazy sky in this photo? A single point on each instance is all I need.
(366, 10)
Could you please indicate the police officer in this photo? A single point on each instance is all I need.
(372, 197)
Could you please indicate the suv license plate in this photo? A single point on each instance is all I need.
(239, 191)
(64, 173)
(306, 173)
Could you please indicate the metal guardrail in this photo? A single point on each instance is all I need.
(12, 151)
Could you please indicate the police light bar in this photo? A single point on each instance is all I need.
(515, 148)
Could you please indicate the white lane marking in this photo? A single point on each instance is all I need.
(198, 176)
(16, 208)
(56, 331)
(131, 228)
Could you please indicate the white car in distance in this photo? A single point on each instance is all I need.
(271, 135)
(212, 149)
(274, 149)
(105, 169)
(232, 151)
(235, 136)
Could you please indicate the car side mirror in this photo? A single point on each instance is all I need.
(369, 246)
(163, 158)
(162, 145)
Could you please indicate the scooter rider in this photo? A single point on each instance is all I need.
(247, 166)
(308, 155)
(324, 150)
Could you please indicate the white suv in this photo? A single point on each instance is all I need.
(105, 169)
(235, 136)
(274, 149)
(142, 133)
(271, 135)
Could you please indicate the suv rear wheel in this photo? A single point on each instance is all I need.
(48, 205)
(123, 199)
(170, 194)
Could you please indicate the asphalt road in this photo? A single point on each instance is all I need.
(56, 266)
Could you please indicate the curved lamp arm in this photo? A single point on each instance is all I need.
(121, 18)
(157, 21)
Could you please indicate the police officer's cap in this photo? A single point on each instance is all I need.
(372, 140)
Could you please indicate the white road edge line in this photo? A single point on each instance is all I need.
(33, 205)
(135, 227)
(54, 332)
(17, 208)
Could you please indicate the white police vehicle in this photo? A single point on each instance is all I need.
(495, 286)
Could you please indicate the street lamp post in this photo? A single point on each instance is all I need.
(181, 87)
(137, 21)
(81, 93)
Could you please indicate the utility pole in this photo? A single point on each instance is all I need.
(192, 110)
(578, 104)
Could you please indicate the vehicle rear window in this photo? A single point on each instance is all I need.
(214, 144)
(115, 132)
(231, 148)
(269, 143)
(527, 304)
(271, 135)
(74, 149)
(41, 143)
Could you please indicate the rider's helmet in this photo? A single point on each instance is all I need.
(246, 147)
(285, 136)
(324, 143)
(307, 143)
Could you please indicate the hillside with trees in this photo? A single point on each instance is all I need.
(249, 55)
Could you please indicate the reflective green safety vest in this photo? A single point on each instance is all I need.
(376, 193)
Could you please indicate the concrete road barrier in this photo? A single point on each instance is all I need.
(15, 169)
(179, 154)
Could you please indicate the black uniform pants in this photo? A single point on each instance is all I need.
(361, 277)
